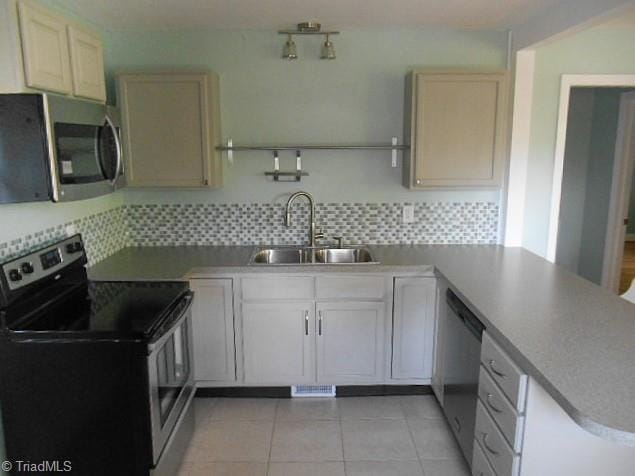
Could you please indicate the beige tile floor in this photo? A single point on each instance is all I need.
(365, 436)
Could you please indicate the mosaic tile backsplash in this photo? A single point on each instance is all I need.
(248, 224)
(104, 233)
(262, 223)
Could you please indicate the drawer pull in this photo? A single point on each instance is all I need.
(320, 322)
(458, 424)
(306, 323)
(487, 447)
(493, 369)
(491, 405)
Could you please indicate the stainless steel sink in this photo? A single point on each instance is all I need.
(303, 255)
(343, 255)
(282, 256)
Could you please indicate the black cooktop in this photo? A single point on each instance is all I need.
(121, 310)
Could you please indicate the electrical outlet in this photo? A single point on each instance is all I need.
(408, 214)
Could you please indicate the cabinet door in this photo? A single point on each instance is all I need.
(170, 125)
(350, 341)
(87, 61)
(278, 342)
(44, 49)
(458, 132)
(213, 330)
(413, 328)
(439, 337)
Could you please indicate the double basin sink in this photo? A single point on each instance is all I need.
(304, 255)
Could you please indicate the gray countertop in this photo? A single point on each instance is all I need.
(575, 338)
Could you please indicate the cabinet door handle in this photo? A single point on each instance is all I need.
(493, 369)
(488, 447)
(488, 399)
(319, 322)
(306, 323)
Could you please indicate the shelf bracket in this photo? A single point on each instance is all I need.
(393, 153)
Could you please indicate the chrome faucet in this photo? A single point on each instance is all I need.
(287, 219)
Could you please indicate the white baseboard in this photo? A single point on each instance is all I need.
(630, 237)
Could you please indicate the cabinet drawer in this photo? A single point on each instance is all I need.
(499, 408)
(509, 377)
(500, 455)
(355, 287)
(287, 287)
(480, 465)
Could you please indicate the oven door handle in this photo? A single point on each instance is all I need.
(185, 312)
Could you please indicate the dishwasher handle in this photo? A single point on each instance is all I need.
(472, 322)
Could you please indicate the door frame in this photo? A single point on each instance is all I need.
(620, 194)
(569, 81)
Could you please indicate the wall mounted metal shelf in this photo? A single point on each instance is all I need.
(394, 147)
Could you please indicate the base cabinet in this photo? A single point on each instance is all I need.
(413, 327)
(278, 342)
(303, 329)
(350, 341)
(213, 330)
(439, 337)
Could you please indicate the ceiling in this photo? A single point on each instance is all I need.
(121, 15)
(624, 20)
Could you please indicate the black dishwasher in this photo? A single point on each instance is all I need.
(461, 369)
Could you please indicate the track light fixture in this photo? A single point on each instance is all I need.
(290, 51)
(308, 28)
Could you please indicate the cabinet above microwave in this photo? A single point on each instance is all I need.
(45, 51)
(58, 149)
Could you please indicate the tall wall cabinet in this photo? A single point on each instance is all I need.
(41, 50)
(456, 124)
(171, 127)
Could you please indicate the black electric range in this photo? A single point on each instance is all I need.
(95, 376)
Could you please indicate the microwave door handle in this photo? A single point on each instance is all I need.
(113, 182)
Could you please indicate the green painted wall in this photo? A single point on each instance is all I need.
(356, 98)
(17, 220)
(596, 51)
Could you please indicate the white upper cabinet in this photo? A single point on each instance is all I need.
(171, 127)
(41, 50)
(44, 49)
(456, 123)
(87, 59)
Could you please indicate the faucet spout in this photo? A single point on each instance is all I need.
(287, 219)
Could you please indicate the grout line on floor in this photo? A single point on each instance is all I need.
(273, 432)
(412, 438)
(339, 424)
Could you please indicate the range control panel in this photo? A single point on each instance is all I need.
(39, 264)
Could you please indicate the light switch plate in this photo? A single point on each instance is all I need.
(408, 214)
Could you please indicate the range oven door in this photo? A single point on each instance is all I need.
(171, 379)
(85, 146)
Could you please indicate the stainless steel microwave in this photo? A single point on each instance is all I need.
(57, 148)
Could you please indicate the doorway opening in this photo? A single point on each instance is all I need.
(595, 182)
